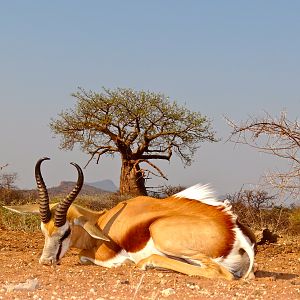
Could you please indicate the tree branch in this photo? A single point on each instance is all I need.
(161, 174)
(279, 137)
(2, 167)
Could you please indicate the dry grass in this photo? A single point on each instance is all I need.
(13, 221)
(286, 222)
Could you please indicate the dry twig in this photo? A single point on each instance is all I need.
(276, 136)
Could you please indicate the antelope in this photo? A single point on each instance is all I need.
(190, 232)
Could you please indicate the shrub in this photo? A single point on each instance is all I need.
(13, 221)
(295, 221)
(104, 201)
(258, 210)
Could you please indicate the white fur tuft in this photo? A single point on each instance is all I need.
(202, 193)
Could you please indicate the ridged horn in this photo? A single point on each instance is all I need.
(63, 206)
(43, 193)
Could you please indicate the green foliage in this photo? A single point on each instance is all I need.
(13, 221)
(140, 126)
(100, 122)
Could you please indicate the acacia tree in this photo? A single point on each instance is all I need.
(7, 181)
(9, 194)
(140, 126)
(276, 136)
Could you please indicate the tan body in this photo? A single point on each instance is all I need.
(189, 232)
(169, 233)
(162, 220)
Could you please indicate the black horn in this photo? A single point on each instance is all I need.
(43, 193)
(63, 206)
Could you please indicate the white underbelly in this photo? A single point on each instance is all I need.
(148, 250)
(116, 261)
(122, 256)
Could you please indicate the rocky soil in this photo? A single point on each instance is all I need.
(21, 276)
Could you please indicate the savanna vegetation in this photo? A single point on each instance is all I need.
(255, 208)
(142, 127)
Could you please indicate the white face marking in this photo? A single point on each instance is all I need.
(56, 245)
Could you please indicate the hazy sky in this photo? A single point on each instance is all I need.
(233, 58)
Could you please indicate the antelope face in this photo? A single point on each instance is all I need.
(55, 226)
(57, 242)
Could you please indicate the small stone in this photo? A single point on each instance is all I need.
(125, 282)
(167, 292)
(193, 286)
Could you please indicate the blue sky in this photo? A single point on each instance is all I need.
(232, 58)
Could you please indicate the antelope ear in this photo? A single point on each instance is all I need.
(25, 209)
(90, 228)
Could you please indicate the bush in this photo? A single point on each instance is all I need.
(295, 221)
(257, 209)
(105, 201)
(14, 221)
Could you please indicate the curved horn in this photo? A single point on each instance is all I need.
(63, 206)
(43, 193)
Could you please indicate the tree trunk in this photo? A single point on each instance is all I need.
(132, 181)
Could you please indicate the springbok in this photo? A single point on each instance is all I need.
(189, 232)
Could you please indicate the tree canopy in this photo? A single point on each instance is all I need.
(141, 126)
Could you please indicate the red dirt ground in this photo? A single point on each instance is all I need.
(278, 276)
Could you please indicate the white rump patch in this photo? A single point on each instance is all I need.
(239, 264)
(202, 193)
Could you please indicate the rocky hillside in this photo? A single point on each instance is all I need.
(66, 186)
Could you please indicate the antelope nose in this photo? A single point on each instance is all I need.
(47, 261)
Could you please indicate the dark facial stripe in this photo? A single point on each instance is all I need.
(66, 234)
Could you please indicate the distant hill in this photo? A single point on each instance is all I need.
(66, 186)
(93, 189)
(106, 185)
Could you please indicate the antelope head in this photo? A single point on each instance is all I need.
(57, 223)
(54, 224)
